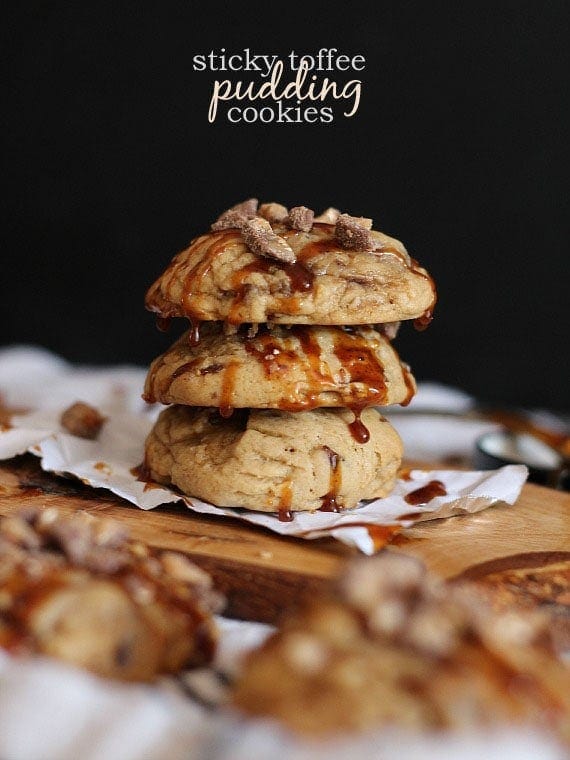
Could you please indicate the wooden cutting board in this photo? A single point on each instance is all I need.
(263, 574)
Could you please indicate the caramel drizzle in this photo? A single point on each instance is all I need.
(195, 276)
(300, 275)
(227, 390)
(329, 500)
(356, 356)
(284, 513)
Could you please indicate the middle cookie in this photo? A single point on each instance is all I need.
(290, 368)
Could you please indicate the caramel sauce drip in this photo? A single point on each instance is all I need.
(163, 323)
(194, 333)
(285, 515)
(358, 429)
(193, 279)
(142, 473)
(425, 493)
(227, 390)
(330, 503)
(284, 512)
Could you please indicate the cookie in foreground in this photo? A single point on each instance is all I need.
(76, 588)
(274, 461)
(391, 645)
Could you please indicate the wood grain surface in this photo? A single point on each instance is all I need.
(263, 574)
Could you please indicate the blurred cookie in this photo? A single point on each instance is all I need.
(220, 277)
(274, 461)
(289, 368)
(393, 646)
(78, 589)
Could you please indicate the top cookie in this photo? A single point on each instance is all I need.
(274, 265)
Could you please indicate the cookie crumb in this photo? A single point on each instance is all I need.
(261, 240)
(82, 420)
(301, 218)
(236, 216)
(353, 232)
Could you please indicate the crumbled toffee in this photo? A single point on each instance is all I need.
(236, 216)
(37, 542)
(82, 420)
(273, 212)
(398, 600)
(259, 237)
(328, 216)
(353, 232)
(301, 218)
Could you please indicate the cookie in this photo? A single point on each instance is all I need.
(391, 646)
(290, 368)
(219, 278)
(274, 461)
(79, 590)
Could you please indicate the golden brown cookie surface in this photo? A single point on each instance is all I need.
(274, 461)
(290, 368)
(219, 278)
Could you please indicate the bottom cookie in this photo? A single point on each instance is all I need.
(273, 461)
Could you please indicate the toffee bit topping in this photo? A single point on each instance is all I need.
(236, 216)
(261, 240)
(82, 420)
(273, 212)
(301, 218)
(353, 232)
(328, 216)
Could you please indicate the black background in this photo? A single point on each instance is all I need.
(459, 149)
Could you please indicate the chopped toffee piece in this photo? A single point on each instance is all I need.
(261, 240)
(273, 212)
(328, 216)
(301, 218)
(236, 216)
(82, 420)
(353, 232)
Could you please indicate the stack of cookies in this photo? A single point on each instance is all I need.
(273, 390)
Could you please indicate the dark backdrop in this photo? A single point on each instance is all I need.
(458, 149)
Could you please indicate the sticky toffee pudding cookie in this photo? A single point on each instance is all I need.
(274, 461)
(262, 266)
(394, 646)
(290, 368)
(76, 588)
